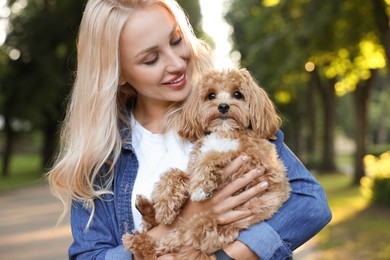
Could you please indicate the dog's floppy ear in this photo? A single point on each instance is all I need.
(264, 119)
(190, 127)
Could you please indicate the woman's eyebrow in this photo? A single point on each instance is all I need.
(155, 47)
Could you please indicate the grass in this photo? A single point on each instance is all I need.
(24, 170)
(358, 230)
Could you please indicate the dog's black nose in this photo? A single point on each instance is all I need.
(223, 108)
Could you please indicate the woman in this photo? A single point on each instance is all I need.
(137, 62)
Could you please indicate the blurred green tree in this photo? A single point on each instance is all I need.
(39, 44)
(295, 47)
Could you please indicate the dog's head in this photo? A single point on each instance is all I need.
(228, 100)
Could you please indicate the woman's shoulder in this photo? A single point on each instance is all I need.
(278, 140)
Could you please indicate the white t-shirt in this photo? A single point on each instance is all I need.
(156, 154)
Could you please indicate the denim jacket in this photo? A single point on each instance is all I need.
(304, 214)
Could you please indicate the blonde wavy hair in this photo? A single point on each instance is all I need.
(90, 136)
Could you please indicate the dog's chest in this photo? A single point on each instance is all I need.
(215, 143)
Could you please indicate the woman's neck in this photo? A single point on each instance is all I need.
(151, 116)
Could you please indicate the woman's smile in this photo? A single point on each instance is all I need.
(178, 82)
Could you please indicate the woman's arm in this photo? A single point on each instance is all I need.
(99, 241)
(300, 218)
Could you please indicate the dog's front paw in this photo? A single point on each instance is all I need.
(200, 195)
(145, 207)
(165, 213)
(140, 244)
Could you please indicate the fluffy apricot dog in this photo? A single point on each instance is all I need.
(226, 115)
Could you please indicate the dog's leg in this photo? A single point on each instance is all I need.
(196, 238)
(145, 207)
(191, 239)
(140, 244)
(207, 175)
(170, 195)
(203, 183)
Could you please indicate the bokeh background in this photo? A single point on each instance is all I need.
(325, 64)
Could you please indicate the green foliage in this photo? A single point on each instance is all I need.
(376, 183)
(381, 191)
(277, 40)
(306, 51)
(40, 43)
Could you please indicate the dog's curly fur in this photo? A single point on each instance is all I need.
(227, 115)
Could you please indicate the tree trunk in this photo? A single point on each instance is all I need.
(383, 130)
(298, 128)
(50, 143)
(383, 23)
(328, 163)
(328, 96)
(311, 118)
(361, 101)
(9, 140)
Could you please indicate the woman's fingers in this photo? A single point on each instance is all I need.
(241, 182)
(232, 216)
(248, 194)
(166, 257)
(233, 201)
(235, 165)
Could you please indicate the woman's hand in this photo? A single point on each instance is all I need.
(223, 202)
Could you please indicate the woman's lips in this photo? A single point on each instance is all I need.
(177, 83)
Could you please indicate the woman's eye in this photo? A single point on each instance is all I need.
(238, 95)
(152, 61)
(177, 41)
(212, 96)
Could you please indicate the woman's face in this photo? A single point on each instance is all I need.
(154, 58)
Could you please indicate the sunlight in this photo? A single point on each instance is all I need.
(372, 55)
(4, 13)
(283, 97)
(352, 207)
(310, 66)
(270, 3)
(215, 25)
(375, 168)
(351, 69)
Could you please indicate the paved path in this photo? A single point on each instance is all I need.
(28, 225)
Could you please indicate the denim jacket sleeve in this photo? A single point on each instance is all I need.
(111, 219)
(303, 215)
(100, 241)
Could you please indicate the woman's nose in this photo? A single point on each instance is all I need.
(177, 61)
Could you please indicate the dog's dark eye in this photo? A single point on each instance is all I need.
(212, 96)
(237, 95)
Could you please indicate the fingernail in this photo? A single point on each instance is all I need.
(260, 171)
(264, 184)
(245, 158)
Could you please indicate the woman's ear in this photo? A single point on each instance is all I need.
(121, 81)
